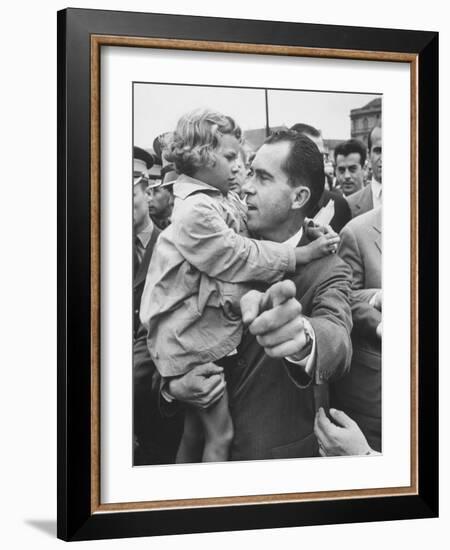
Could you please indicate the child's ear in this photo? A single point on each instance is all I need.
(302, 195)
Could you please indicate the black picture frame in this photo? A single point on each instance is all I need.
(76, 475)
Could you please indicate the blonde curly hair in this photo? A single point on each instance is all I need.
(196, 136)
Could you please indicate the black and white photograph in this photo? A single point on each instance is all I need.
(246, 316)
(257, 262)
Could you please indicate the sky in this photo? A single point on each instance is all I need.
(157, 107)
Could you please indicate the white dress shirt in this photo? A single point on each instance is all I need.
(376, 192)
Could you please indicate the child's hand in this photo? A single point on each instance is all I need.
(316, 231)
(324, 245)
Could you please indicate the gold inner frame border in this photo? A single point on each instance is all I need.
(97, 41)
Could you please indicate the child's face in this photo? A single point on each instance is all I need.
(225, 170)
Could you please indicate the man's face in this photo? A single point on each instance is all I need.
(268, 192)
(160, 201)
(349, 173)
(376, 154)
(140, 205)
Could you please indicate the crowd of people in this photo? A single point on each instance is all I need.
(257, 295)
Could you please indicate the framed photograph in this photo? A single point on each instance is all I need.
(247, 315)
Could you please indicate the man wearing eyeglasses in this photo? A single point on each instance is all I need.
(370, 197)
(143, 227)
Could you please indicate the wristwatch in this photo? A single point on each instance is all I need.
(307, 348)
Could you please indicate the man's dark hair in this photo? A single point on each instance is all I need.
(303, 165)
(369, 139)
(306, 129)
(346, 148)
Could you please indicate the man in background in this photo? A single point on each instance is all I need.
(341, 213)
(144, 231)
(161, 198)
(358, 393)
(350, 157)
(155, 439)
(370, 197)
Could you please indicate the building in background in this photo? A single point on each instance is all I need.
(364, 119)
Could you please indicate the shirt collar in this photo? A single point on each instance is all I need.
(295, 239)
(185, 186)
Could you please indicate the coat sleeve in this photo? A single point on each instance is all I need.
(365, 317)
(331, 320)
(205, 241)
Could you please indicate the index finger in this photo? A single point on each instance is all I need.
(250, 306)
(279, 293)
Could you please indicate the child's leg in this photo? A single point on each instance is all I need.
(218, 431)
(191, 444)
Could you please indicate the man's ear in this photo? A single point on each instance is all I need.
(302, 195)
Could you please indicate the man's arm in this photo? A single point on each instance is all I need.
(350, 252)
(331, 321)
(277, 321)
(366, 314)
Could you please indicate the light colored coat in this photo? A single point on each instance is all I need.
(361, 201)
(201, 267)
(360, 247)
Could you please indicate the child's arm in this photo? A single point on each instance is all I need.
(203, 238)
(322, 246)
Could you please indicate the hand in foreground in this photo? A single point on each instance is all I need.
(346, 438)
(201, 387)
(276, 319)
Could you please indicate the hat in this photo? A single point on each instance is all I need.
(143, 155)
(168, 175)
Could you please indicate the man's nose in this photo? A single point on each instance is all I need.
(247, 186)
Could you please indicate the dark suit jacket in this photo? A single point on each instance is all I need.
(359, 392)
(140, 274)
(156, 438)
(272, 407)
(361, 201)
(342, 212)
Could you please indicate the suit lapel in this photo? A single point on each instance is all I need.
(366, 202)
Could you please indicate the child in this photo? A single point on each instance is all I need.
(201, 267)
